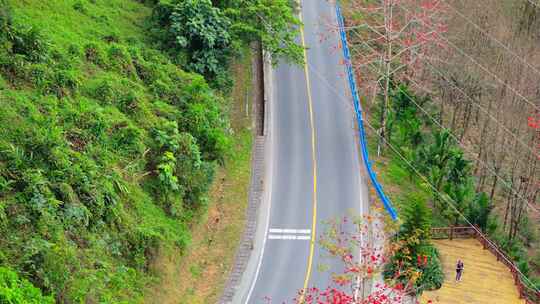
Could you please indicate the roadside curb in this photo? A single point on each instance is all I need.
(250, 246)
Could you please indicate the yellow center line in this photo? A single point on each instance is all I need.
(314, 163)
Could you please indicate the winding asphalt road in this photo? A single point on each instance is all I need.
(315, 169)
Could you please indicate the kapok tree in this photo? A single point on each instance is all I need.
(359, 244)
(393, 38)
(533, 122)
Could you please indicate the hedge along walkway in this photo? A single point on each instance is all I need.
(484, 280)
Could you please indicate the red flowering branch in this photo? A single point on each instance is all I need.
(350, 241)
(393, 38)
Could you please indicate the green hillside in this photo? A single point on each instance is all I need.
(108, 144)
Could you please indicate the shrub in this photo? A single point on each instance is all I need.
(167, 136)
(165, 90)
(108, 88)
(528, 234)
(169, 182)
(535, 282)
(15, 67)
(127, 140)
(130, 100)
(79, 6)
(479, 211)
(204, 121)
(432, 273)
(39, 74)
(31, 44)
(142, 246)
(88, 117)
(105, 91)
(148, 72)
(120, 59)
(410, 259)
(75, 50)
(74, 214)
(201, 29)
(414, 234)
(6, 23)
(181, 168)
(536, 261)
(94, 54)
(110, 38)
(197, 174)
(3, 83)
(6, 185)
(417, 219)
(15, 290)
(63, 83)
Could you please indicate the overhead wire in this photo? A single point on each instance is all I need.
(485, 111)
(508, 186)
(451, 202)
(479, 28)
(506, 183)
(479, 106)
(460, 50)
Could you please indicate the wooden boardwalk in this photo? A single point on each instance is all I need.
(484, 281)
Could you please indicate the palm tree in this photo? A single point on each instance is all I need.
(434, 160)
(459, 195)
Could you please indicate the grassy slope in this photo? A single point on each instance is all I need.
(199, 275)
(65, 25)
(104, 263)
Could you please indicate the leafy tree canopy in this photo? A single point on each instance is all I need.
(273, 22)
(203, 35)
(203, 30)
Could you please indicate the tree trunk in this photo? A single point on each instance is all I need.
(483, 137)
(441, 113)
(382, 126)
(386, 103)
(514, 208)
(466, 120)
(498, 162)
(494, 184)
(518, 213)
(454, 115)
(506, 210)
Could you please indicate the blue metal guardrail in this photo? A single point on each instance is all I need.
(358, 109)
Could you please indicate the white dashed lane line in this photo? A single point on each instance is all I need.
(288, 237)
(289, 234)
(293, 231)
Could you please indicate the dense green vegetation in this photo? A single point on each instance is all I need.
(14, 290)
(202, 36)
(111, 135)
(432, 169)
(416, 255)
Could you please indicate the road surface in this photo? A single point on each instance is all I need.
(315, 169)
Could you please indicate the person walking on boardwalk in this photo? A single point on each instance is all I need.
(459, 270)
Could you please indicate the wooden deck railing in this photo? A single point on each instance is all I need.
(530, 295)
(453, 232)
